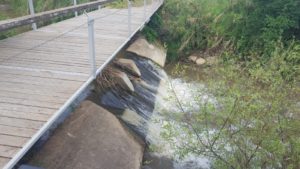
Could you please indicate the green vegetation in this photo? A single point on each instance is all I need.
(247, 30)
(254, 125)
(256, 80)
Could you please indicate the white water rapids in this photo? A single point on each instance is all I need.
(158, 97)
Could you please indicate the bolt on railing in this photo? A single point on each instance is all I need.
(31, 10)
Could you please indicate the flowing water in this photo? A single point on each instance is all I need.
(156, 100)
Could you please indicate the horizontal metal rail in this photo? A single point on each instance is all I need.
(44, 16)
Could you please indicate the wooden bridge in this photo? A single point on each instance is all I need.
(43, 71)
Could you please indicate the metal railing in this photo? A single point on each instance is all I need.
(31, 10)
(92, 53)
(91, 21)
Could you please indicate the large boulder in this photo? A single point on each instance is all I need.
(111, 77)
(90, 138)
(128, 65)
(144, 49)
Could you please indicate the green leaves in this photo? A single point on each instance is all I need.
(256, 124)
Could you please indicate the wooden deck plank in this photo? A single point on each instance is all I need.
(38, 80)
(17, 131)
(14, 122)
(36, 94)
(3, 161)
(24, 108)
(26, 116)
(39, 97)
(36, 66)
(29, 102)
(12, 141)
(7, 151)
(43, 74)
(37, 88)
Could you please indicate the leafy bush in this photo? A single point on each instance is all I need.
(257, 24)
(253, 28)
(254, 125)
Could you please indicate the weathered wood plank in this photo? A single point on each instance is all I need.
(17, 131)
(34, 97)
(28, 124)
(26, 116)
(37, 88)
(39, 81)
(29, 102)
(24, 108)
(36, 94)
(12, 141)
(43, 74)
(50, 68)
(8, 151)
(3, 161)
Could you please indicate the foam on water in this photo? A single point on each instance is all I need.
(156, 99)
(172, 97)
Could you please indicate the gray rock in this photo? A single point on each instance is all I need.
(128, 65)
(132, 117)
(142, 48)
(123, 81)
(91, 138)
(200, 61)
(192, 58)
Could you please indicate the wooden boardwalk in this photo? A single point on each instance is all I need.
(41, 70)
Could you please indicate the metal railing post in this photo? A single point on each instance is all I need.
(75, 3)
(129, 17)
(145, 9)
(92, 52)
(31, 10)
